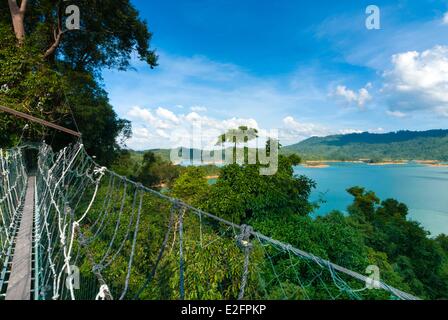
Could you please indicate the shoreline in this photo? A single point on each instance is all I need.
(327, 163)
(333, 161)
(386, 163)
(317, 166)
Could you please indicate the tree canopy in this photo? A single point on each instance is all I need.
(54, 73)
(374, 232)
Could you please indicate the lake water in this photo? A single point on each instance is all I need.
(423, 189)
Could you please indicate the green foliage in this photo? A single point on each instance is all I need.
(421, 261)
(330, 237)
(375, 233)
(410, 145)
(241, 193)
(29, 85)
(126, 165)
(213, 263)
(150, 169)
(191, 186)
(364, 203)
(155, 172)
(65, 87)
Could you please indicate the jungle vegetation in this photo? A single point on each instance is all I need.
(56, 75)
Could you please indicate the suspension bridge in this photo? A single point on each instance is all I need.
(71, 229)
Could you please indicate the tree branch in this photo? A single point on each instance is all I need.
(58, 33)
(15, 9)
(23, 6)
(55, 45)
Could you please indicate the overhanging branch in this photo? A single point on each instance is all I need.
(40, 121)
(58, 33)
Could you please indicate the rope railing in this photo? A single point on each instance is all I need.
(400, 294)
(103, 236)
(13, 181)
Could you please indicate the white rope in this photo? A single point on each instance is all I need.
(104, 290)
(65, 162)
(72, 167)
(76, 224)
(13, 182)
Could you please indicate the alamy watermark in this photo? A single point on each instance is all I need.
(73, 19)
(373, 20)
(240, 146)
(373, 280)
(73, 278)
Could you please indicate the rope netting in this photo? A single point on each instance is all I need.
(102, 236)
(13, 181)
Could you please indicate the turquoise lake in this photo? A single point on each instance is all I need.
(423, 189)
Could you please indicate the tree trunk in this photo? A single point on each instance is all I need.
(17, 16)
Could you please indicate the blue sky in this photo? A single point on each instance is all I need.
(305, 68)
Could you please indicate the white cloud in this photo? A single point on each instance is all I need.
(360, 98)
(295, 131)
(167, 114)
(363, 97)
(396, 114)
(349, 95)
(150, 130)
(162, 134)
(376, 130)
(303, 130)
(198, 109)
(418, 81)
(349, 131)
(199, 131)
(188, 130)
(146, 116)
(138, 113)
(445, 18)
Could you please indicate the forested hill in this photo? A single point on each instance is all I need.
(407, 145)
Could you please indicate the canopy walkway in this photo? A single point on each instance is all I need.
(98, 235)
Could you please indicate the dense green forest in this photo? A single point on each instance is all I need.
(54, 73)
(401, 145)
(375, 232)
(153, 168)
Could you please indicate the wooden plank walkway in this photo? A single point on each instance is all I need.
(19, 285)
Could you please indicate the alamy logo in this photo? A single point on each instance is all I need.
(239, 146)
(373, 21)
(373, 280)
(72, 280)
(73, 20)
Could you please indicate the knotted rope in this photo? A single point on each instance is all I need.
(243, 241)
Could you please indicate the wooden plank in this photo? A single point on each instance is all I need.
(19, 285)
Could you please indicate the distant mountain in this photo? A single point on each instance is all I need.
(401, 145)
(165, 154)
